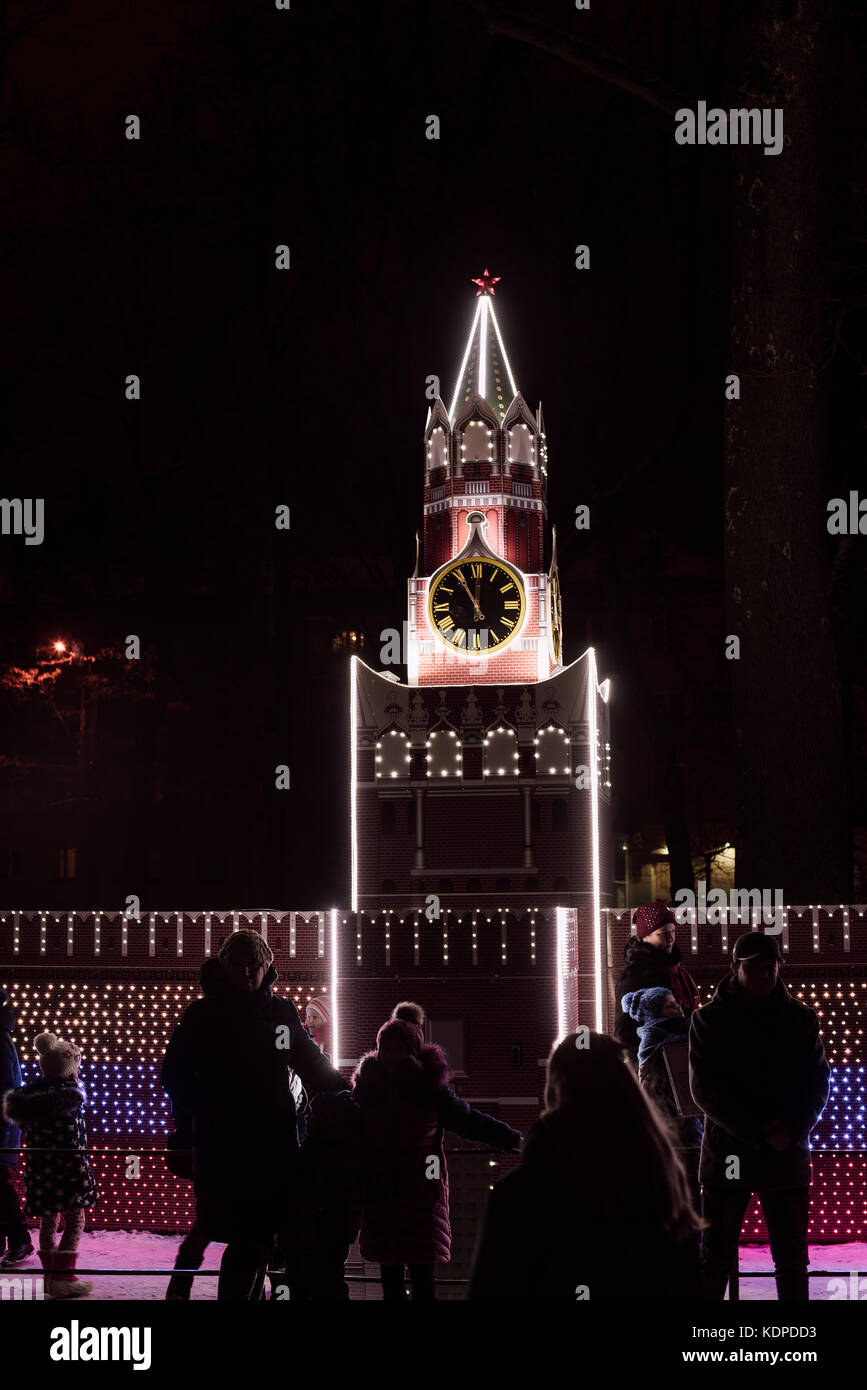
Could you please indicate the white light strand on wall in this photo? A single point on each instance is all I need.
(335, 1019)
(353, 779)
(592, 692)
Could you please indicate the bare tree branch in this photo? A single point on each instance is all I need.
(563, 45)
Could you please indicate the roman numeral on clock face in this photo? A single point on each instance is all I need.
(441, 608)
(476, 571)
(504, 588)
(511, 603)
(446, 624)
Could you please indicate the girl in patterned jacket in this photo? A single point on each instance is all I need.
(59, 1179)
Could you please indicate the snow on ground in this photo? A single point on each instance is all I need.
(139, 1250)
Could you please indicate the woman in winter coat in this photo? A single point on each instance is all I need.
(600, 1194)
(227, 1068)
(406, 1104)
(57, 1181)
(653, 960)
(12, 1227)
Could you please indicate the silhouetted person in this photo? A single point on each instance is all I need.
(13, 1231)
(406, 1103)
(758, 1071)
(600, 1199)
(328, 1209)
(228, 1065)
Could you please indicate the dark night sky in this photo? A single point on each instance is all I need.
(307, 387)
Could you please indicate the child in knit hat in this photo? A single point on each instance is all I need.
(317, 1021)
(659, 1018)
(59, 1178)
(406, 1103)
(661, 1024)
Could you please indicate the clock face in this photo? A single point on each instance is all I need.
(477, 605)
(556, 616)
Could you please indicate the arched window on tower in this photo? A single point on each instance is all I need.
(522, 555)
(443, 754)
(438, 535)
(477, 442)
(552, 752)
(392, 754)
(501, 752)
(534, 559)
(521, 445)
(437, 449)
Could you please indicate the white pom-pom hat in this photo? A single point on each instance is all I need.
(57, 1057)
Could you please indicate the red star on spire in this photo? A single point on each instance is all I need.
(486, 283)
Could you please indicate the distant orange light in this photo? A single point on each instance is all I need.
(60, 646)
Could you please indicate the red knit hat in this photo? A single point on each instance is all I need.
(649, 916)
(321, 1006)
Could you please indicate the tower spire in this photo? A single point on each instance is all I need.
(485, 369)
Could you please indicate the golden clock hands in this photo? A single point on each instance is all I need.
(478, 612)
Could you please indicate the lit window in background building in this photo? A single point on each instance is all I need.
(348, 640)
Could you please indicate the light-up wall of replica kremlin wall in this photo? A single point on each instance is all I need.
(498, 988)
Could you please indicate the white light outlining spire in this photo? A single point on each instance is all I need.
(483, 347)
(476, 317)
(503, 351)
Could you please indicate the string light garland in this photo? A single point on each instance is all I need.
(123, 1025)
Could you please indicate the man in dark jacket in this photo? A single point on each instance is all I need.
(757, 1068)
(12, 1228)
(227, 1068)
(653, 961)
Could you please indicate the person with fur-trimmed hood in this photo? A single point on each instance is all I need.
(653, 961)
(228, 1067)
(59, 1178)
(406, 1103)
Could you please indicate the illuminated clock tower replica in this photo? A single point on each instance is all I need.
(483, 781)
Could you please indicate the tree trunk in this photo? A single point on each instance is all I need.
(791, 786)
